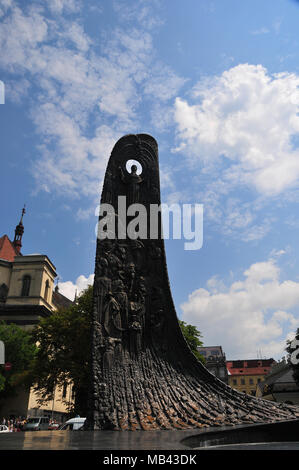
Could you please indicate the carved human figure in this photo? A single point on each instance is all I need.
(112, 317)
(109, 354)
(135, 324)
(115, 263)
(130, 278)
(119, 293)
(114, 256)
(133, 181)
(137, 247)
(155, 255)
(102, 289)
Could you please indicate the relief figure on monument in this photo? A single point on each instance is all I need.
(132, 181)
(102, 288)
(120, 295)
(135, 324)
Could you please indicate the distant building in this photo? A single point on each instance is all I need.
(244, 375)
(279, 385)
(27, 294)
(215, 361)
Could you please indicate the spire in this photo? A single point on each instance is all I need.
(19, 232)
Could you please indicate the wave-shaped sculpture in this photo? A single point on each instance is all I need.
(144, 376)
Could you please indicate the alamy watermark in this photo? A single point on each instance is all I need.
(175, 221)
(294, 356)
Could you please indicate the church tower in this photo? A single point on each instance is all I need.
(19, 230)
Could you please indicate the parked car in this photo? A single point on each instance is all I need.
(73, 424)
(3, 428)
(37, 424)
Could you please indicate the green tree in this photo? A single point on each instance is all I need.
(64, 350)
(192, 336)
(20, 351)
(63, 341)
(294, 356)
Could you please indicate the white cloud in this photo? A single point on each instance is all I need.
(5, 5)
(58, 6)
(86, 96)
(262, 30)
(140, 11)
(253, 314)
(69, 289)
(244, 119)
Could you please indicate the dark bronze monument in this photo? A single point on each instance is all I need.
(144, 376)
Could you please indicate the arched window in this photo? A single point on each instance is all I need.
(26, 285)
(47, 287)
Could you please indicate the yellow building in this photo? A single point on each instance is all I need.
(245, 375)
(27, 294)
(245, 383)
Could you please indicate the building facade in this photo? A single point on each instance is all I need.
(27, 294)
(215, 361)
(279, 385)
(245, 375)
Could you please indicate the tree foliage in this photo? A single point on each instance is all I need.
(64, 351)
(20, 351)
(192, 336)
(293, 355)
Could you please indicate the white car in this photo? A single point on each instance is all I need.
(3, 428)
(73, 424)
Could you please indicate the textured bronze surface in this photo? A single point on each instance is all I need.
(144, 376)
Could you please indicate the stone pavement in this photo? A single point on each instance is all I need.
(279, 436)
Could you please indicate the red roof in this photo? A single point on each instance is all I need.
(250, 366)
(7, 249)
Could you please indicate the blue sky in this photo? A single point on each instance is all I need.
(216, 83)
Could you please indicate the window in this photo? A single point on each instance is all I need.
(47, 287)
(251, 381)
(234, 381)
(242, 381)
(64, 390)
(26, 285)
